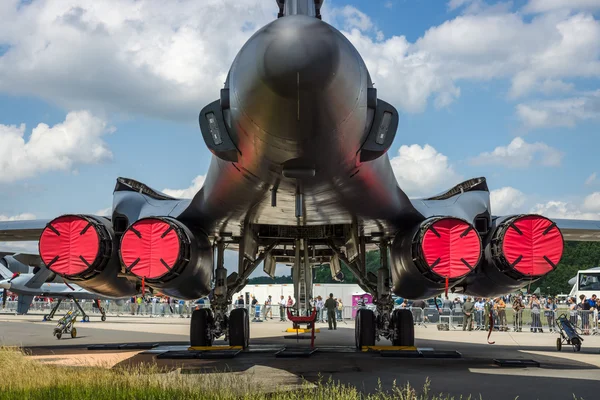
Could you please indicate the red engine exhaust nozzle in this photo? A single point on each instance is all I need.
(150, 248)
(70, 245)
(450, 247)
(532, 245)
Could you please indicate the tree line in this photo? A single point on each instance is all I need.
(576, 256)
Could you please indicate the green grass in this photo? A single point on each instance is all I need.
(23, 378)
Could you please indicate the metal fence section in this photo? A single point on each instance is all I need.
(509, 320)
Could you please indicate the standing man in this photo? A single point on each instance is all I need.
(501, 307)
(467, 308)
(340, 309)
(268, 310)
(282, 305)
(254, 302)
(330, 305)
(518, 307)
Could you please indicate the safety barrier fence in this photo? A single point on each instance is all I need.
(509, 320)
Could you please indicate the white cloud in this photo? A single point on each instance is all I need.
(560, 113)
(507, 200)
(388, 4)
(478, 6)
(157, 59)
(151, 57)
(422, 170)
(188, 192)
(550, 86)
(592, 202)
(26, 247)
(18, 217)
(77, 140)
(591, 179)
(539, 6)
(563, 209)
(519, 154)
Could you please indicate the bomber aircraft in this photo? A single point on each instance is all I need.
(300, 174)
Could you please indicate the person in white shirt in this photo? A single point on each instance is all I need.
(282, 305)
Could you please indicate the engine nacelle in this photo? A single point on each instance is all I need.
(83, 249)
(169, 257)
(520, 250)
(434, 255)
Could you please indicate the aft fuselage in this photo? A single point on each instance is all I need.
(298, 102)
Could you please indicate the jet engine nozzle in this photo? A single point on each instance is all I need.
(76, 246)
(519, 250)
(434, 255)
(83, 248)
(168, 256)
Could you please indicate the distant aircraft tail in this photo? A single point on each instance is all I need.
(23, 304)
(5, 273)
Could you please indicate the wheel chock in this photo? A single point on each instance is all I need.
(518, 363)
(295, 353)
(301, 330)
(213, 348)
(389, 348)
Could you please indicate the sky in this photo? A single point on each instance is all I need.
(90, 91)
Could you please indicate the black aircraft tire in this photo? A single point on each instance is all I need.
(364, 327)
(199, 325)
(405, 328)
(239, 328)
(558, 344)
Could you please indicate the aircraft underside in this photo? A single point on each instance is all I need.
(300, 175)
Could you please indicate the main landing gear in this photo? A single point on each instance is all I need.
(371, 325)
(208, 324)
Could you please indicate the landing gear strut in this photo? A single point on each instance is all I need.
(394, 325)
(85, 317)
(210, 324)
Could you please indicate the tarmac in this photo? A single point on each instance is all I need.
(560, 375)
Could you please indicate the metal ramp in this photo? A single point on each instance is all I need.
(296, 352)
(515, 363)
(209, 352)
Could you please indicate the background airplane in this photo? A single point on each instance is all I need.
(44, 283)
(300, 174)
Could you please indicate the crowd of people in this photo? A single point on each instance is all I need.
(475, 312)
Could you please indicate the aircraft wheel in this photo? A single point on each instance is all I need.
(402, 321)
(103, 318)
(558, 344)
(200, 325)
(364, 328)
(74, 333)
(58, 335)
(46, 318)
(86, 319)
(239, 328)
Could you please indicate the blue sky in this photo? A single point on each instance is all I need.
(469, 78)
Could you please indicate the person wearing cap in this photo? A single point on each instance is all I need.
(330, 305)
